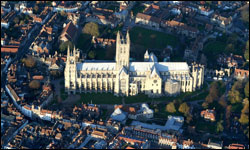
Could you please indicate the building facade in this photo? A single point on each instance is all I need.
(123, 77)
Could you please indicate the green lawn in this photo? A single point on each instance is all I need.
(206, 126)
(152, 39)
(164, 114)
(237, 107)
(100, 98)
(100, 53)
(212, 49)
(64, 95)
(83, 42)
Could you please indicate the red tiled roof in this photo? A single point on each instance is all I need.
(155, 6)
(70, 29)
(241, 72)
(208, 114)
(148, 17)
(236, 146)
(9, 49)
(38, 77)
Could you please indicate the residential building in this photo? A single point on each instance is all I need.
(208, 114)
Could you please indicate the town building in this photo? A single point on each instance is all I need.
(208, 114)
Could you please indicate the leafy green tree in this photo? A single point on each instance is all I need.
(22, 22)
(246, 89)
(16, 20)
(223, 102)
(92, 29)
(219, 126)
(245, 109)
(230, 48)
(246, 131)
(36, 8)
(110, 53)
(245, 15)
(234, 94)
(244, 119)
(64, 46)
(246, 54)
(170, 107)
(213, 93)
(30, 62)
(205, 105)
(184, 108)
(228, 115)
(234, 97)
(34, 84)
(189, 118)
(63, 13)
(92, 54)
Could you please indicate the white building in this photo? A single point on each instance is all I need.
(205, 11)
(118, 115)
(123, 77)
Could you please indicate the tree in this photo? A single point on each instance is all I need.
(189, 118)
(36, 8)
(230, 48)
(245, 15)
(234, 94)
(16, 20)
(244, 119)
(170, 107)
(219, 127)
(63, 13)
(213, 93)
(92, 29)
(64, 46)
(110, 53)
(92, 54)
(34, 84)
(234, 97)
(55, 73)
(245, 109)
(246, 131)
(22, 22)
(223, 102)
(30, 62)
(228, 115)
(184, 108)
(205, 105)
(246, 89)
(246, 54)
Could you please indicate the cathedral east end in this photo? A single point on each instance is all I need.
(124, 78)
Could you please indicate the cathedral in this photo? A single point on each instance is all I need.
(125, 78)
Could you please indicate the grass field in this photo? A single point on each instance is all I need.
(64, 95)
(83, 42)
(212, 49)
(152, 39)
(206, 126)
(100, 98)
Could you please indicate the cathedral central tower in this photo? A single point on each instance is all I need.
(122, 51)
